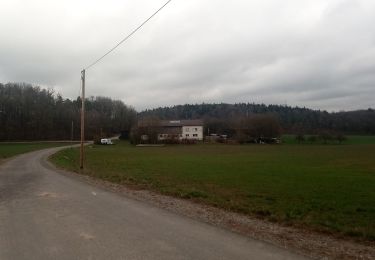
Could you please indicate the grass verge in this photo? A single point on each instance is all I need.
(12, 149)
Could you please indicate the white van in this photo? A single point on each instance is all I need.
(106, 141)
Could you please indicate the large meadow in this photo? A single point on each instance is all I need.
(329, 187)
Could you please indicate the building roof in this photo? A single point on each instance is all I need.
(171, 123)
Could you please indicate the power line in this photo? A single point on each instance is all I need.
(129, 35)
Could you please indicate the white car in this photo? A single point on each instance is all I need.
(106, 141)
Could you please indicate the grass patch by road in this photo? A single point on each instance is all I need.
(12, 149)
(324, 187)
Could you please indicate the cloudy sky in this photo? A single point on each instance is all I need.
(314, 53)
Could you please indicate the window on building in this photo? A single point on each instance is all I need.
(195, 135)
(187, 135)
(187, 129)
(196, 129)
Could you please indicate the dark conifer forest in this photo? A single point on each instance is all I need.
(292, 119)
(30, 112)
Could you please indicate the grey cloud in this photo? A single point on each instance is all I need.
(313, 53)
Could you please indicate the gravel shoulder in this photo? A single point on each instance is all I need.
(312, 244)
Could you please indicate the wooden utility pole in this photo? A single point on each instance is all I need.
(82, 118)
(72, 132)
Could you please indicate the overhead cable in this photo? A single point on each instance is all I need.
(128, 36)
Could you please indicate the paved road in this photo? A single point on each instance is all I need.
(46, 215)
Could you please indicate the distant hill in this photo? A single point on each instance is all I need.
(292, 119)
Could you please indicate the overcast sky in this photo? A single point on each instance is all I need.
(314, 53)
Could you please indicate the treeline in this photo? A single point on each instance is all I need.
(324, 137)
(292, 119)
(31, 113)
(262, 128)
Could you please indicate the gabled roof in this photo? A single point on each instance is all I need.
(171, 123)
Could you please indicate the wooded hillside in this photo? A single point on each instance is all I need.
(292, 119)
(32, 113)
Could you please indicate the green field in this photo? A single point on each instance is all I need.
(330, 188)
(351, 139)
(11, 149)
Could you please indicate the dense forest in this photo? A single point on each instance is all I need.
(219, 117)
(31, 113)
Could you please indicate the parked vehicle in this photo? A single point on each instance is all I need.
(106, 141)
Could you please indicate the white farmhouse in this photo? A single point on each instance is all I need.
(181, 129)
